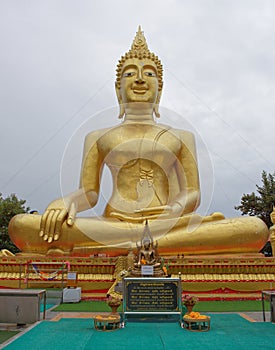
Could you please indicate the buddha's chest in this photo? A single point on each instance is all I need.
(123, 145)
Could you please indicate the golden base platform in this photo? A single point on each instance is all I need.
(216, 277)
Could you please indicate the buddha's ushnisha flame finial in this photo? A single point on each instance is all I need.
(139, 45)
(139, 49)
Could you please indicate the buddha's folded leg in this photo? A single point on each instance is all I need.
(195, 235)
(85, 235)
(234, 235)
(188, 235)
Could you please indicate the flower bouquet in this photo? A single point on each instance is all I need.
(114, 299)
(189, 300)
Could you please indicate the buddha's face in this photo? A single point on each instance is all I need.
(139, 81)
(146, 245)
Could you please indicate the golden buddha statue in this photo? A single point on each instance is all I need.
(147, 250)
(155, 177)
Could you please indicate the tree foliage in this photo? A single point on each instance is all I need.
(9, 207)
(260, 204)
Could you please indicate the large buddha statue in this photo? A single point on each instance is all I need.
(155, 177)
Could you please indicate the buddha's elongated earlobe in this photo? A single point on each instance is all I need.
(156, 105)
(121, 111)
(121, 105)
(156, 111)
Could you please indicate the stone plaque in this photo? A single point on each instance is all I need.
(152, 295)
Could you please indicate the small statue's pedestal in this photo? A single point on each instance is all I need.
(147, 270)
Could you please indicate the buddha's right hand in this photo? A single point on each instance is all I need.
(53, 218)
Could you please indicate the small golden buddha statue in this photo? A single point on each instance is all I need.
(147, 250)
(155, 177)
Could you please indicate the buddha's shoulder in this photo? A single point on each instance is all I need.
(95, 135)
(184, 135)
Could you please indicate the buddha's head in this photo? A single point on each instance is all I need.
(146, 243)
(139, 76)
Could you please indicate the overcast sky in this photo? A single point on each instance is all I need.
(57, 73)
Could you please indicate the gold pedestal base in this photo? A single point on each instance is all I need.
(208, 277)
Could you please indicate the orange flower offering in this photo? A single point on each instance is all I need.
(194, 315)
(111, 318)
(99, 317)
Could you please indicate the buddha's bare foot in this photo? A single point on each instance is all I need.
(28, 254)
(57, 251)
(215, 216)
(6, 252)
